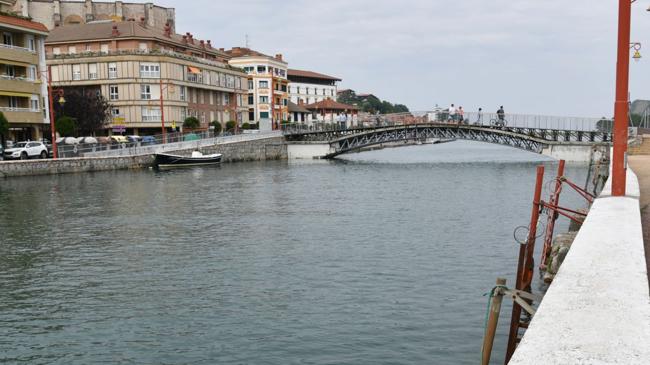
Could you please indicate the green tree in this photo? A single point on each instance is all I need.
(4, 128)
(217, 126)
(89, 109)
(604, 125)
(230, 126)
(66, 126)
(191, 123)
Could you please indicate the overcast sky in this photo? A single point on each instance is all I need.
(552, 57)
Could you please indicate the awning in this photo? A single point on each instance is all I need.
(193, 70)
(11, 93)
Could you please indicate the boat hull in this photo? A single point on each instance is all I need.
(165, 161)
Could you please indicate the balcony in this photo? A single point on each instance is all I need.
(18, 54)
(20, 85)
(22, 115)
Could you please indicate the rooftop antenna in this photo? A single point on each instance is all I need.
(247, 42)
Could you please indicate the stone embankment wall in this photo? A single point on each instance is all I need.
(254, 150)
(72, 165)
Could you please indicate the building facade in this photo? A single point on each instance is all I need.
(54, 13)
(308, 87)
(133, 66)
(333, 113)
(23, 85)
(268, 95)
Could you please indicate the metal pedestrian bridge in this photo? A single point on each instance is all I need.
(531, 139)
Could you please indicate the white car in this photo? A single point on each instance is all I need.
(25, 150)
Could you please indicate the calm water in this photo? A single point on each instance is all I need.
(380, 259)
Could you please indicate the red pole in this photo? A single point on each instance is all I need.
(621, 104)
(52, 130)
(525, 264)
(162, 113)
(552, 217)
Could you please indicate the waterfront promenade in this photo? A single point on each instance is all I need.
(641, 166)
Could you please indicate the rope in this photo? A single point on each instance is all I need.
(487, 311)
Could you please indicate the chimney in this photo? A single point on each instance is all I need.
(209, 44)
(115, 32)
(202, 44)
(222, 49)
(168, 31)
(185, 39)
(142, 22)
(278, 56)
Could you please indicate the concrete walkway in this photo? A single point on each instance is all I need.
(641, 166)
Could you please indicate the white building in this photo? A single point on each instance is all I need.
(268, 96)
(308, 87)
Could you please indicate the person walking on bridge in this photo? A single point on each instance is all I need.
(501, 115)
(461, 115)
(452, 113)
(479, 117)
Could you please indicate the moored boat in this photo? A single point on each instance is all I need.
(167, 161)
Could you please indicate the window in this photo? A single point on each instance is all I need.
(13, 102)
(113, 92)
(249, 69)
(285, 102)
(226, 99)
(31, 44)
(251, 115)
(283, 88)
(142, 46)
(264, 84)
(92, 71)
(264, 99)
(150, 114)
(103, 48)
(72, 49)
(76, 72)
(33, 103)
(250, 84)
(251, 99)
(264, 115)
(183, 113)
(56, 50)
(145, 92)
(115, 112)
(307, 90)
(261, 69)
(298, 88)
(8, 39)
(238, 83)
(182, 93)
(31, 72)
(88, 49)
(150, 70)
(10, 71)
(112, 70)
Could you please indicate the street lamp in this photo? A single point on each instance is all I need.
(636, 46)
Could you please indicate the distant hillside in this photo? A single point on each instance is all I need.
(370, 103)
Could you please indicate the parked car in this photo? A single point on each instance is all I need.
(25, 150)
(119, 139)
(134, 139)
(148, 140)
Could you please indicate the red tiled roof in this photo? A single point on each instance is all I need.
(314, 75)
(330, 104)
(243, 51)
(23, 23)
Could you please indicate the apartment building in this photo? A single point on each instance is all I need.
(57, 13)
(133, 66)
(268, 96)
(23, 90)
(308, 87)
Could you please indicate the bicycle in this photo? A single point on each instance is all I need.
(498, 123)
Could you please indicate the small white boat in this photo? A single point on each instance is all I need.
(167, 161)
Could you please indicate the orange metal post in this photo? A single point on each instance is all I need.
(621, 104)
(525, 264)
(52, 130)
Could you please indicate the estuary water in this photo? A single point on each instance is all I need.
(380, 258)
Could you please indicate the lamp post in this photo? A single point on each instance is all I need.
(52, 128)
(621, 108)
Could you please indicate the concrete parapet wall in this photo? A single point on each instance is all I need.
(71, 165)
(597, 310)
(570, 152)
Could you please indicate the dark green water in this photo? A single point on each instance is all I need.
(381, 259)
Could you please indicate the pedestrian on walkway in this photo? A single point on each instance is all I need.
(461, 115)
(452, 113)
(501, 114)
(479, 117)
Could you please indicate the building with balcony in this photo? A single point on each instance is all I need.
(56, 13)
(133, 66)
(23, 93)
(332, 112)
(310, 87)
(268, 94)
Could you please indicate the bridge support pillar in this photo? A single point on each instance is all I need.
(571, 153)
(308, 150)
